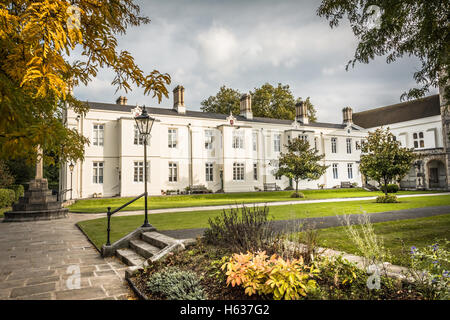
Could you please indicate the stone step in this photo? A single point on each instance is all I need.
(157, 239)
(143, 248)
(130, 257)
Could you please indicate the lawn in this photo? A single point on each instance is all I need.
(412, 232)
(164, 202)
(120, 226)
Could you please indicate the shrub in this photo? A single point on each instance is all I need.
(428, 268)
(368, 244)
(175, 284)
(241, 229)
(297, 195)
(264, 275)
(391, 188)
(18, 190)
(7, 197)
(387, 199)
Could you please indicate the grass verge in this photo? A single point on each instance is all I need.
(397, 236)
(164, 202)
(120, 226)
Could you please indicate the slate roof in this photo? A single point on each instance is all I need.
(205, 115)
(406, 111)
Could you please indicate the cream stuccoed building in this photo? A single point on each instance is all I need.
(230, 153)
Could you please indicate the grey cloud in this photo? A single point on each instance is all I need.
(243, 44)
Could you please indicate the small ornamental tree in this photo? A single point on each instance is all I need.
(383, 159)
(300, 162)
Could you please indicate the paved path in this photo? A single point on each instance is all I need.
(227, 206)
(330, 221)
(36, 257)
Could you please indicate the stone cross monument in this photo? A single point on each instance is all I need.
(38, 203)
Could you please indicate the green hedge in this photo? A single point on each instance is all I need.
(391, 188)
(19, 191)
(390, 198)
(7, 197)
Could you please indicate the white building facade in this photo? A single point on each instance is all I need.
(229, 153)
(424, 126)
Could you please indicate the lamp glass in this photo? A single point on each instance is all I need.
(144, 123)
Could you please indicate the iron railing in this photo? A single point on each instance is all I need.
(110, 213)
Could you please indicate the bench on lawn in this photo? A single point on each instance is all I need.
(199, 189)
(271, 187)
(346, 184)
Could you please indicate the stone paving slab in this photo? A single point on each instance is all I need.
(38, 259)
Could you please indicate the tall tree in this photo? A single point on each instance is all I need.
(300, 162)
(36, 40)
(383, 159)
(267, 101)
(395, 29)
(225, 101)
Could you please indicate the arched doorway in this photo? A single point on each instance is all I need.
(437, 177)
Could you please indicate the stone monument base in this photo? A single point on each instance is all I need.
(38, 203)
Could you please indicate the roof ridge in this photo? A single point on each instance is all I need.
(400, 104)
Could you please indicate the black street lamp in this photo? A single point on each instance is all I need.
(145, 123)
(71, 166)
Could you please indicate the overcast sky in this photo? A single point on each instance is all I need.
(204, 44)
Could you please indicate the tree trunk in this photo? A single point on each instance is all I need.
(296, 186)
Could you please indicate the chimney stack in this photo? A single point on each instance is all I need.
(347, 115)
(246, 106)
(301, 113)
(178, 100)
(122, 100)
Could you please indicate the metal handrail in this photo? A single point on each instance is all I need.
(59, 194)
(110, 213)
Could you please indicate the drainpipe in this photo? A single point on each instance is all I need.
(322, 140)
(191, 173)
(80, 167)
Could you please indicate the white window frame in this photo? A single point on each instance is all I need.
(138, 171)
(334, 145)
(173, 172)
(172, 138)
(238, 171)
(420, 141)
(255, 171)
(98, 172)
(255, 140)
(138, 138)
(238, 139)
(335, 168)
(349, 145)
(98, 134)
(350, 170)
(209, 139)
(277, 142)
(209, 172)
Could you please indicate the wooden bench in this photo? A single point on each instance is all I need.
(346, 184)
(271, 187)
(199, 189)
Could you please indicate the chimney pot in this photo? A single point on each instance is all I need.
(122, 100)
(246, 106)
(301, 113)
(347, 114)
(178, 99)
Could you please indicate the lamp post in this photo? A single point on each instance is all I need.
(71, 166)
(145, 123)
